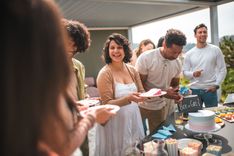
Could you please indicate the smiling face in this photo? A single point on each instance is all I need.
(201, 35)
(116, 52)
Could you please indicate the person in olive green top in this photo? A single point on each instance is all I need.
(79, 41)
(79, 71)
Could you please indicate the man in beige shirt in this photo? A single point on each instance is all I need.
(160, 68)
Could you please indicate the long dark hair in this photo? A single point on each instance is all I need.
(34, 69)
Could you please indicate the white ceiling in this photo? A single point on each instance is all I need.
(128, 13)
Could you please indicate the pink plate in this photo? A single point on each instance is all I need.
(147, 95)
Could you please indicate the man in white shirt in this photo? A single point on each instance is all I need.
(205, 64)
(160, 68)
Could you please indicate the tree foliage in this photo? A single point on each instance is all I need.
(227, 47)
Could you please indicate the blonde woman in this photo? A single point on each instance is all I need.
(144, 45)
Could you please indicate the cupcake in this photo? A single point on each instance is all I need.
(188, 151)
(214, 149)
(196, 146)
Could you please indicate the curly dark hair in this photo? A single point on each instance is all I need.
(79, 34)
(174, 36)
(120, 40)
(198, 27)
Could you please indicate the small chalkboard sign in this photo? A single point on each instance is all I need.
(190, 103)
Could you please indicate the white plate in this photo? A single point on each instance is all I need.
(114, 109)
(182, 143)
(149, 96)
(217, 127)
(89, 102)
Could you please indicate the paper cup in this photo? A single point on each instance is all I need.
(172, 147)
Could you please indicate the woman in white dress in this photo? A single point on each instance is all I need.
(119, 84)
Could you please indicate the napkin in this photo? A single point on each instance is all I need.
(165, 132)
(159, 136)
(170, 128)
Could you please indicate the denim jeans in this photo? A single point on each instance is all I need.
(209, 98)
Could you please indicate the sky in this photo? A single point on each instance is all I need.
(186, 24)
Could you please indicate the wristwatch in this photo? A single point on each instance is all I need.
(217, 87)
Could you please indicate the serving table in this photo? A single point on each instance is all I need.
(225, 134)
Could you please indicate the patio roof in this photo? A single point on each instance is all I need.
(128, 13)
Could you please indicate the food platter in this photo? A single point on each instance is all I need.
(219, 121)
(225, 113)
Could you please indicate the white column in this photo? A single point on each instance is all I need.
(215, 34)
(130, 36)
(214, 25)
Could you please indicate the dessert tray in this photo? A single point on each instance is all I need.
(225, 113)
(182, 143)
(219, 121)
(154, 92)
(114, 109)
(217, 127)
(228, 118)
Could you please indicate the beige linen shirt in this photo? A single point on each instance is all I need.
(160, 72)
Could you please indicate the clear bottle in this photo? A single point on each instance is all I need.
(178, 117)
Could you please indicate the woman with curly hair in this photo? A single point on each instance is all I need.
(119, 84)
